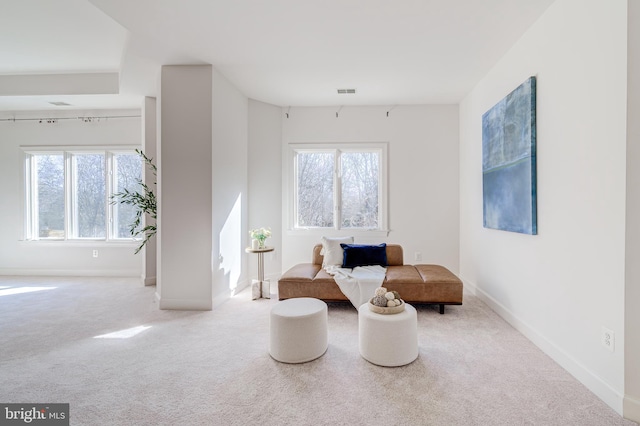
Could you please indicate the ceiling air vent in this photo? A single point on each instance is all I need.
(346, 91)
(60, 103)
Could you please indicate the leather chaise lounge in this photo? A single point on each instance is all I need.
(421, 284)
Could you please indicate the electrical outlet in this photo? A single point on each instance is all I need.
(95, 253)
(417, 256)
(608, 339)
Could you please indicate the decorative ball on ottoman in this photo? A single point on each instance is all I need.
(379, 301)
(380, 291)
(386, 302)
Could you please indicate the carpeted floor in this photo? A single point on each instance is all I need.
(213, 368)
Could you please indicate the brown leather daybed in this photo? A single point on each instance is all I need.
(426, 284)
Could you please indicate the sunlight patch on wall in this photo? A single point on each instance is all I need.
(231, 244)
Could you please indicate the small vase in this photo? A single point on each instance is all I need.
(261, 244)
(255, 244)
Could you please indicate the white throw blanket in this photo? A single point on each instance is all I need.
(358, 284)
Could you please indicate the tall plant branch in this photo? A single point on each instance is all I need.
(144, 203)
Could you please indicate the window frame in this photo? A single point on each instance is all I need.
(336, 148)
(30, 194)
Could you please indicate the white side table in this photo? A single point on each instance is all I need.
(260, 282)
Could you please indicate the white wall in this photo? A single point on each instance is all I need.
(229, 174)
(48, 257)
(562, 286)
(632, 295)
(265, 184)
(423, 174)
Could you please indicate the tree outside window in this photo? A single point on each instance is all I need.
(128, 169)
(89, 188)
(339, 186)
(315, 189)
(49, 195)
(67, 193)
(360, 177)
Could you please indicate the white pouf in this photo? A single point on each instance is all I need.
(388, 340)
(298, 330)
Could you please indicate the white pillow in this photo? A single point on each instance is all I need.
(332, 251)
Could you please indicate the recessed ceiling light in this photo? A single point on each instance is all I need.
(346, 91)
(60, 103)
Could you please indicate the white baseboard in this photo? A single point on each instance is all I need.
(184, 304)
(271, 277)
(220, 299)
(122, 273)
(150, 281)
(274, 284)
(593, 382)
(200, 305)
(631, 408)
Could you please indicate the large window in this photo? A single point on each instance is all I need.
(339, 186)
(67, 193)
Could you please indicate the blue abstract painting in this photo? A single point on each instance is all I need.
(509, 162)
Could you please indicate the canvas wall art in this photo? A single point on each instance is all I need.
(509, 162)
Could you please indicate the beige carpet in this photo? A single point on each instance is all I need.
(213, 368)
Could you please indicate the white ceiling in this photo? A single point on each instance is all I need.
(284, 52)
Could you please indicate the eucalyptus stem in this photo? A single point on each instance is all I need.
(144, 202)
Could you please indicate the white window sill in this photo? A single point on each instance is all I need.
(329, 232)
(81, 243)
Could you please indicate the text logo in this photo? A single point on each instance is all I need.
(34, 414)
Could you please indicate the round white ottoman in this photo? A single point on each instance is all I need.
(388, 340)
(298, 330)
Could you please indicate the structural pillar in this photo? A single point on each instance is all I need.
(185, 188)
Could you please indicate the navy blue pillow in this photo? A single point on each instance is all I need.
(363, 255)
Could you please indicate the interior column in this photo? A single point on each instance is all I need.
(185, 188)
